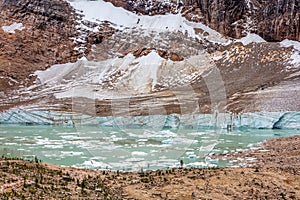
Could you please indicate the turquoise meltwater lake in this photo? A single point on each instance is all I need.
(128, 149)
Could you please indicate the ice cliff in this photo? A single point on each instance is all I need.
(262, 120)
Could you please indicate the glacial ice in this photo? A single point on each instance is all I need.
(260, 120)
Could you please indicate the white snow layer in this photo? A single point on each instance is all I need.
(11, 28)
(251, 38)
(295, 57)
(100, 11)
(288, 43)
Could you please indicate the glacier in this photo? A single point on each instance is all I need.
(256, 120)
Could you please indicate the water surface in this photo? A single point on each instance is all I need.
(128, 149)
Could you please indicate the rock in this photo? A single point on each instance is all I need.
(175, 57)
(162, 53)
(105, 31)
(272, 20)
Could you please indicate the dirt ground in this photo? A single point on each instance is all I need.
(275, 174)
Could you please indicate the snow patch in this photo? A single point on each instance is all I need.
(212, 36)
(295, 57)
(122, 19)
(13, 27)
(251, 38)
(100, 11)
(288, 43)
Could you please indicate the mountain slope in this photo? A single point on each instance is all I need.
(134, 64)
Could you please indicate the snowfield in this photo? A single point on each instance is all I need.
(100, 11)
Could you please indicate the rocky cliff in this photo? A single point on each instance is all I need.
(273, 20)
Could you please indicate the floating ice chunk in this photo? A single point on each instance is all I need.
(139, 153)
(11, 28)
(189, 152)
(159, 134)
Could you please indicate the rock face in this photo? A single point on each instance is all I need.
(274, 20)
(53, 11)
(45, 39)
(220, 15)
